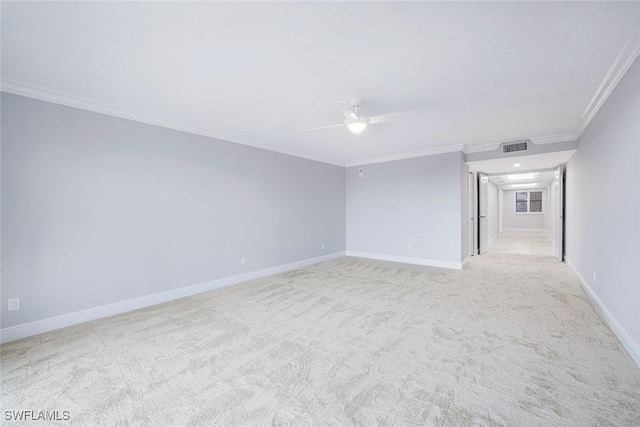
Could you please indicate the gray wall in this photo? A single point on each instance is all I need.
(603, 204)
(413, 202)
(97, 209)
(523, 221)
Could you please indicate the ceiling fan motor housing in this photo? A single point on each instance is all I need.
(356, 102)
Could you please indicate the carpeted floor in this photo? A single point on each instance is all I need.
(510, 340)
(519, 242)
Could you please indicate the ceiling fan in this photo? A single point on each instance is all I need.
(355, 121)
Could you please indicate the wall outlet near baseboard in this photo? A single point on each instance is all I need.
(243, 262)
(594, 277)
(323, 246)
(13, 304)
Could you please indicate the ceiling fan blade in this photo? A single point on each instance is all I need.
(345, 109)
(324, 127)
(387, 117)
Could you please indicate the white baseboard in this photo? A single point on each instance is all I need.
(466, 261)
(407, 260)
(17, 332)
(627, 342)
(528, 230)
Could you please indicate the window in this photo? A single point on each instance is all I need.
(528, 201)
(535, 201)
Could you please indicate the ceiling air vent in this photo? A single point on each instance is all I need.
(513, 147)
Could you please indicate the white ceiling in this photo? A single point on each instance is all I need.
(541, 179)
(259, 73)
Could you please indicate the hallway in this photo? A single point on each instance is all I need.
(525, 243)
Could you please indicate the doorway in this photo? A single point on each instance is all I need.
(521, 212)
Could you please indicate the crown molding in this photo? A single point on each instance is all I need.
(408, 155)
(622, 63)
(36, 92)
(48, 95)
(484, 147)
(551, 139)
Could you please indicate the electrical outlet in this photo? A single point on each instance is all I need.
(409, 247)
(243, 261)
(323, 246)
(594, 277)
(14, 304)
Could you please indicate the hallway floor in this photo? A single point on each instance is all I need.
(524, 243)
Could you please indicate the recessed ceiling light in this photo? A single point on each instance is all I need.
(533, 184)
(516, 165)
(521, 176)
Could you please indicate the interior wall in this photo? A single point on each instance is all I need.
(98, 209)
(530, 222)
(603, 206)
(407, 208)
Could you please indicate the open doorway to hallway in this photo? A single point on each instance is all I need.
(520, 205)
(520, 213)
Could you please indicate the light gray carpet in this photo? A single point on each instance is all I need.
(511, 340)
(519, 242)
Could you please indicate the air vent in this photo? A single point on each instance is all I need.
(513, 147)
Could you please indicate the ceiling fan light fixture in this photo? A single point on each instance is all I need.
(355, 122)
(357, 126)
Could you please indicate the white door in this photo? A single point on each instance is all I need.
(483, 195)
(558, 220)
(500, 210)
(472, 216)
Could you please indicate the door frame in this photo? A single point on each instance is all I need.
(559, 214)
(474, 190)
